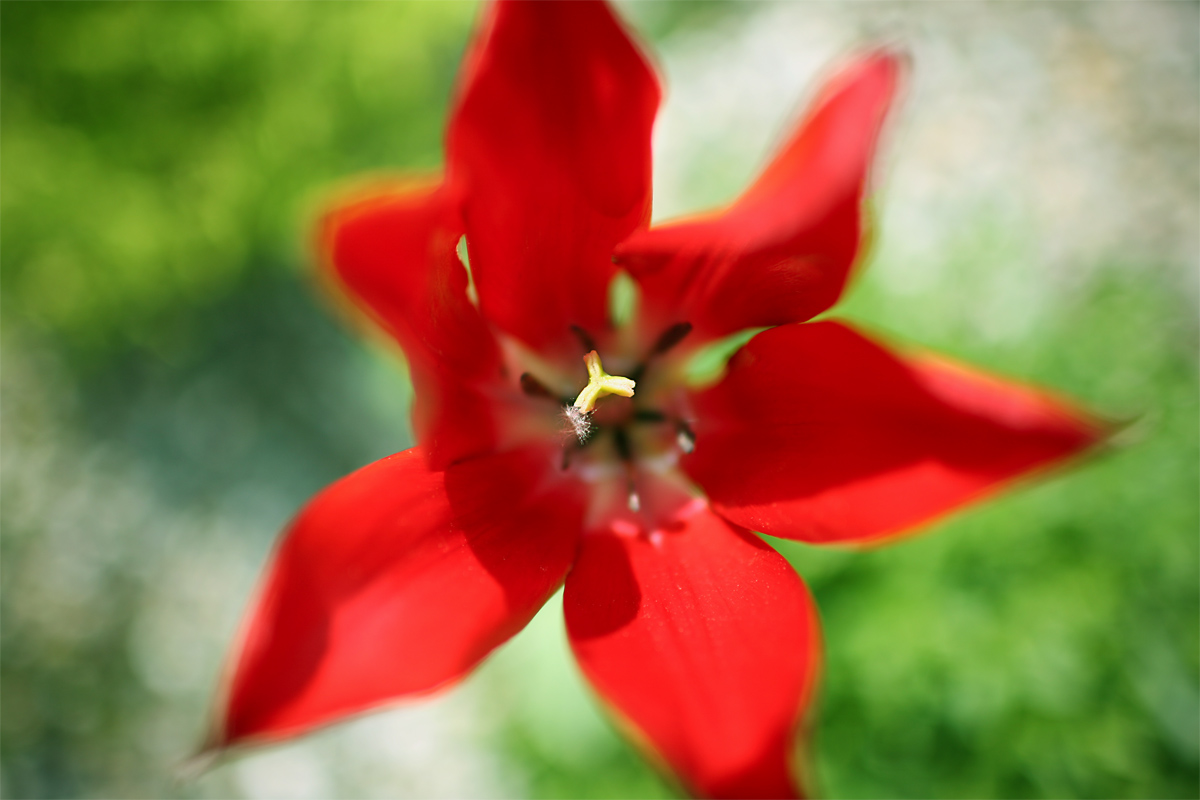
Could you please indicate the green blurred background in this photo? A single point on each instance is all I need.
(174, 387)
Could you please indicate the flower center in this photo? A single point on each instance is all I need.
(625, 448)
(618, 443)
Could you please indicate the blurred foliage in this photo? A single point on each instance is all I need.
(173, 390)
(156, 155)
(1046, 644)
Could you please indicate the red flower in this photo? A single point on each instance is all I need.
(400, 578)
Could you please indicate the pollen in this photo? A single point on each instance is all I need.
(600, 383)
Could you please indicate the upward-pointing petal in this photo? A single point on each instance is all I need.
(550, 148)
(783, 251)
(393, 250)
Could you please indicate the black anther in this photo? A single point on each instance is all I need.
(585, 338)
(649, 415)
(534, 388)
(621, 442)
(670, 337)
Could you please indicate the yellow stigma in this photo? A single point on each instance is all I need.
(600, 383)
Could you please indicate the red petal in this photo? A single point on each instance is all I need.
(550, 145)
(395, 253)
(783, 251)
(397, 580)
(820, 434)
(706, 641)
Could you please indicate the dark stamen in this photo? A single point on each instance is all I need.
(670, 337)
(535, 388)
(649, 415)
(585, 338)
(621, 442)
(625, 451)
(685, 437)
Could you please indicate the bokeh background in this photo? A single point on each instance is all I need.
(174, 387)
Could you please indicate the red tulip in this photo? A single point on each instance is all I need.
(533, 470)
